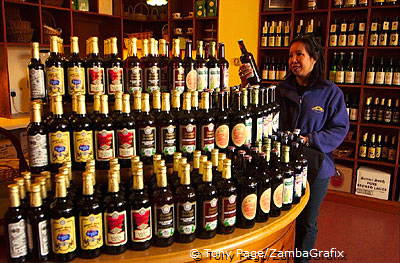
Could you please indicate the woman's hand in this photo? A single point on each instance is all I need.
(245, 72)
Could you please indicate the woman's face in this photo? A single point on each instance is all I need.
(300, 62)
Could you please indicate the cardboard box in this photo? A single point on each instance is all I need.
(200, 8)
(342, 180)
(105, 7)
(373, 183)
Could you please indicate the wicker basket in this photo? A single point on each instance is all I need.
(153, 15)
(144, 12)
(19, 31)
(53, 2)
(129, 12)
(49, 26)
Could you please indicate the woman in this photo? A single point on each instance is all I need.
(315, 106)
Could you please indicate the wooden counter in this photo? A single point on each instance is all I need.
(277, 233)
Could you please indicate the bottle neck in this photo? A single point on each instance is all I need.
(36, 116)
(226, 172)
(126, 105)
(14, 198)
(188, 50)
(81, 106)
(221, 51)
(36, 199)
(113, 184)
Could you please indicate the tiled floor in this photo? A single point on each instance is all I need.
(365, 236)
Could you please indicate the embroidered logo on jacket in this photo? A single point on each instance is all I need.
(317, 109)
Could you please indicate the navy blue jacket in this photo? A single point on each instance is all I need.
(320, 113)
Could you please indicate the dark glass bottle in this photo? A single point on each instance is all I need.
(381, 111)
(264, 186)
(201, 68)
(247, 57)
(352, 33)
(333, 67)
(187, 132)
(350, 73)
(163, 211)
(222, 122)
(55, 70)
(189, 64)
(298, 171)
(375, 109)
(223, 68)
(186, 208)
(361, 34)
(288, 178)
(380, 73)
(343, 34)
(166, 130)
(151, 68)
(247, 195)
(82, 133)
(104, 136)
(163, 61)
(213, 68)
(36, 76)
(15, 227)
(371, 147)
(362, 152)
(195, 177)
(340, 71)
(276, 185)
(371, 72)
(384, 33)
(75, 71)
(132, 70)
(205, 123)
(94, 70)
(396, 113)
(392, 150)
(90, 214)
(388, 112)
(257, 114)
(96, 108)
(389, 70)
(177, 72)
(114, 71)
(227, 193)
(115, 217)
(140, 214)
(207, 219)
(378, 148)
(237, 122)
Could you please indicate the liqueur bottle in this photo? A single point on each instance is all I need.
(201, 68)
(222, 133)
(15, 225)
(187, 132)
(104, 136)
(36, 75)
(95, 70)
(38, 227)
(257, 116)
(151, 69)
(54, 70)
(227, 192)
(75, 71)
(248, 57)
(140, 214)
(82, 133)
(115, 217)
(166, 130)
(90, 216)
(177, 72)
(189, 65)
(63, 225)
(237, 121)
(164, 60)
(126, 134)
(59, 137)
(186, 208)
(37, 141)
(207, 220)
(132, 70)
(213, 69)
(164, 211)
(276, 186)
(205, 122)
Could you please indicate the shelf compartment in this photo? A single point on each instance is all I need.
(78, 12)
(349, 85)
(379, 163)
(317, 11)
(350, 159)
(384, 48)
(382, 87)
(275, 13)
(58, 19)
(378, 125)
(346, 48)
(349, 9)
(274, 48)
(19, 2)
(207, 18)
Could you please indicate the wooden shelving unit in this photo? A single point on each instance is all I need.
(328, 13)
(85, 24)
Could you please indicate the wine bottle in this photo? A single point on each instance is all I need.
(177, 71)
(222, 122)
(248, 121)
(264, 34)
(371, 71)
(373, 38)
(288, 178)
(286, 35)
(213, 68)
(350, 74)
(362, 153)
(75, 71)
(392, 150)
(367, 110)
(187, 132)
(114, 71)
(164, 61)
(333, 67)
(94, 70)
(343, 34)
(15, 222)
(396, 113)
(189, 64)
(352, 34)
(388, 112)
(378, 148)
(36, 75)
(394, 33)
(340, 73)
(396, 75)
(247, 57)
(82, 133)
(54, 70)
(223, 65)
(389, 70)
(333, 34)
(257, 116)
(237, 121)
(151, 68)
(166, 130)
(361, 34)
(380, 73)
(132, 70)
(384, 33)
(201, 68)
(276, 185)
(278, 35)
(271, 35)
(140, 214)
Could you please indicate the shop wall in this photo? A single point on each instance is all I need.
(238, 19)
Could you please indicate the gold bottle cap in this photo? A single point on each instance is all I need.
(43, 186)
(145, 102)
(87, 179)
(126, 104)
(177, 157)
(90, 162)
(118, 101)
(113, 181)
(162, 177)
(226, 171)
(196, 159)
(203, 160)
(13, 190)
(165, 105)
(186, 101)
(21, 184)
(221, 158)
(36, 199)
(207, 176)
(195, 98)
(96, 102)
(113, 161)
(138, 180)
(74, 45)
(156, 99)
(185, 178)
(35, 50)
(214, 157)
(104, 104)
(182, 162)
(176, 99)
(27, 181)
(205, 100)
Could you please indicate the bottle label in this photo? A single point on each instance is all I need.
(363, 151)
(134, 79)
(95, 80)
(332, 75)
(168, 140)
(278, 41)
(392, 155)
(222, 136)
(91, 231)
(105, 149)
(350, 77)
(115, 228)
(147, 141)
(191, 80)
(388, 116)
(388, 78)
(202, 78)
(249, 128)
(271, 41)
(374, 39)
(55, 81)
(272, 74)
(83, 145)
(281, 74)
(351, 40)
(115, 78)
(59, 147)
(357, 78)
(152, 79)
(239, 133)
(126, 143)
(305, 174)
(249, 206)
(385, 152)
(17, 239)
(278, 196)
(76, 80)
(264, 74)
(370, 79)
(371, 152)
(36, 80)
(288, 190)
(178, 79)
(259, 133)
(383, 39)
(224, 77)
(353, 114)
(207, 137)
(275, 122)
(342, 40)
(264, 41)
(265, 201)
(379, 77)
(186, 221)
(141, 225)
(396, 78)
(339, 77)
(44, 245)
(360, 40)
(30, 237)
(378, 152)
(63, 235)
(38, 150)
(164, 221)
(286, 41)
(210, 212)
(228, 211)
(213, 78)
(394, 39)
(187, 143)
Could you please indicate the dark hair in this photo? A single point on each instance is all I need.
(314, 49)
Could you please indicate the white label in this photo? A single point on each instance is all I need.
(152, 79)
(249, 127)
(396, 78)
(379, 77)
(339, 77)
(36, 79)
(202, 78)
(17, 239)
(178, 79)
(388, 78)
(38, 150)
(298, 184)
(350, 77)
(30, 238)
(305, 173)
(44, 237)
(213, 78)
(370, 78)
(288, 190)
(275, 123)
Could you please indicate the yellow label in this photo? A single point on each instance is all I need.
(83, 145)
(363, 151)
(60, 151)
(318, 109)
(55, 81)
(76, 80)
(63, 235)
(91, 231)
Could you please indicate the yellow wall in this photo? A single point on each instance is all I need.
(238, 19)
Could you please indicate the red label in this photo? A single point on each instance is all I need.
(178, 82)
(96, 80)
(249, 206)
(188, 138)
(141, 224)
(210, 211)
(222, 136)
(104, 145)
(207, 137)
(228, 211)
(115, 225)
(126, 143)
(239, 134)
(115, 77)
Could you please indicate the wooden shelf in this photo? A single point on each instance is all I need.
(349, 9)
(318, 11)
(384, 48)
(346, 48)
(182, 19)
(378, 125)
(382, 87)
(350, 159)
(349, 141)
(56, 7)
(353, 122)
(145, 21)
(380, 163)
(206, 18)
(88, 13)
(349, 85)
(275, 13)
(385, 7)
(19, 2)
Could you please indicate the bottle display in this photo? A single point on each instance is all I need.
(36, 75)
